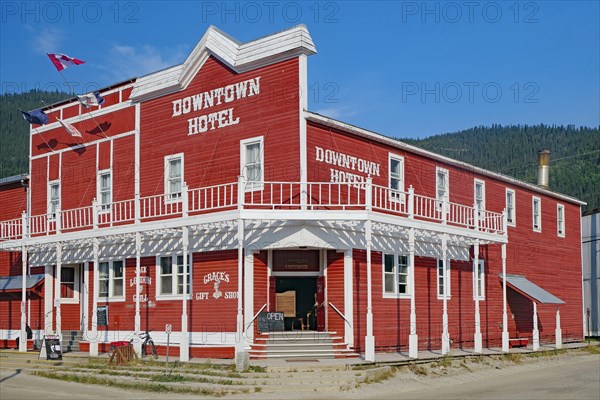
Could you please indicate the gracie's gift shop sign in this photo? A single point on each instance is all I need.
(213, 290)
(203, 102)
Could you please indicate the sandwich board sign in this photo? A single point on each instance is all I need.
(51, 348)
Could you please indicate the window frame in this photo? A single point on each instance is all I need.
(478, 279)
(534, 200)
(174, 275)
(446, 197)
(104, 208)
(560, 224)
(477, 182)
(394, 196)
(440, 296)
(251, 186)
(511, 221)
(76, 285)
(396, 275)
(50, 214)
(173, 197)
(111, 280)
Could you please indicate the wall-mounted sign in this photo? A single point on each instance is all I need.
(296, 260)
(211, 98)
(102, 316)
(349, 163)
(216, 279)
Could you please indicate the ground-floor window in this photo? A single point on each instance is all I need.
(442, 277)
(111, 276)
(479, 281)
(396, 275)
(170, 275)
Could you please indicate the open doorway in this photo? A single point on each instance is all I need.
(302, 292)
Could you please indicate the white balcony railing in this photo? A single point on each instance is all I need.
(308, 196)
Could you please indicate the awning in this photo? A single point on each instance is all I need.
(531, 290)
(15, 283)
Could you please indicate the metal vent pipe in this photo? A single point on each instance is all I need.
(543, 168)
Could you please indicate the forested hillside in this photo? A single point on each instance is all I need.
(14, 130)
(511, 150)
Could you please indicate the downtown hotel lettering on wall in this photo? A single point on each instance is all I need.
(204, 101)
(349, 169)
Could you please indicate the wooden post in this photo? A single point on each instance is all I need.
(477, 339)
(413, 339)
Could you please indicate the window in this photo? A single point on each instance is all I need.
(396, 177)
(111, 277)
(479, 194)
(511, 216)
(442, 185)
(479, 280)
(174, 177)
(395, 272)
(104, 190)
(441, 277)
(560, 220)
(170, 276)
(252, 163)
(53, 199)
(69, 284)
(536, 214)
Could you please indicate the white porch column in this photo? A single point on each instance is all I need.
(536, 332)
(248, 335)
(558, 330)
(413, 338)
(23, 337)
(445, 334)
(184, 343)
(137, 320)
(48, 295)
(93, 336)
(239, 340)
(57, 291)
(504, 304)
(348, 298)
(369, 339)
(477, 339)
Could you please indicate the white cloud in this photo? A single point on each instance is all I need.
(336, 112)
(126, 61)
(46, 39)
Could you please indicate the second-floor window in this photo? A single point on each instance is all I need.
(104, 190)
(173, 176)
(252, 163)
(536, 215)
(510, 207)
(442, 187)
(560, 220)
(53, 199)
(396, 176)
(111, 278)
(479, 191)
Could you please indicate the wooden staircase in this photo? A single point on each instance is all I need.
(299, 345)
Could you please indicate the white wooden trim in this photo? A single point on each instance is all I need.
(349, 297)
(261, 146)
(446, 279)
(533, 201)
(80, 146)
(481, 267)
(167, 168)
(400, 159)
(512, 223)
(564, 222)
(481, 182)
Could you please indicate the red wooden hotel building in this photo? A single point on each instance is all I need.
(199, 193)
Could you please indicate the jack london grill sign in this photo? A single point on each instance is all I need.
(203, 102)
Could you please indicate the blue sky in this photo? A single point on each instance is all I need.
(404, 69)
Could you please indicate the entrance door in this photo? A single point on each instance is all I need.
(70, 294)
(320, 297)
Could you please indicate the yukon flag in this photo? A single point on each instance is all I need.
(62, 61)
(91, 99)
(70, 128)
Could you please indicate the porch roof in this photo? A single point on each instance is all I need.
(14, 283)
(531, 290)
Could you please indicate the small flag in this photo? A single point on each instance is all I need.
(91, 99)
(70, 128)
(62, 61)
(35, 117)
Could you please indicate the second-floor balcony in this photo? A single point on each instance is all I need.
(314, 199)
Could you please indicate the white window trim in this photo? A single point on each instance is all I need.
(158, 281)
(481, 264)
(76, 286)
(514, 209)
(446, 197)
(396, 294)
(101, 209)
(533, 200)
(168, 195)
(437, 290)
(401, 197)
(243, 144)
(111, 297)
(49, 198)
(564, 224)
(482, 183)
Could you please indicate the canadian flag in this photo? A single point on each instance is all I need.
(62, 61)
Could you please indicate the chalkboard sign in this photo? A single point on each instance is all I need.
(270, 322)
(102, 316)
(53, 347)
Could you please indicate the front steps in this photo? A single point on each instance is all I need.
(70, 340)
(299, 345)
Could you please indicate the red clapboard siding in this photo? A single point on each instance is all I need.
(104, 155)
(123, 168)
(13, 199)
(260, 283)
(335, 291)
